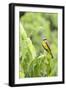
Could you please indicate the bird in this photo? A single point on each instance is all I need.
(46, 46)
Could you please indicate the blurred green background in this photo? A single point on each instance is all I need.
(34, 60)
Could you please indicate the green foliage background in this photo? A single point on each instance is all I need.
(34, 60)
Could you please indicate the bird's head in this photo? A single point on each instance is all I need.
(41, 34)
(43, 37)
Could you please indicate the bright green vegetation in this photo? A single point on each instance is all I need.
(34, 60)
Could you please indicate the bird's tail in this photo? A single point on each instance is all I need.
(51, 54)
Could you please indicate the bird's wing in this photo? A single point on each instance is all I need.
(48, 46)
(45, 45)
(49, 50)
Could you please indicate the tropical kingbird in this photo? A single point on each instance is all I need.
(46, 46)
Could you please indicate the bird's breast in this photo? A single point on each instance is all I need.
(44, 44)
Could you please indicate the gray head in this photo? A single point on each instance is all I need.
(43, 37)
